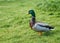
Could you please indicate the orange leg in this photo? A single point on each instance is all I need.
(40, 33)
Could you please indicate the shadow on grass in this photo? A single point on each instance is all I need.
(51, 33)
(48, 33)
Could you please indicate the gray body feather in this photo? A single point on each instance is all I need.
(41, 27)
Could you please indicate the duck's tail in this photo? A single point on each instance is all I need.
(51, 28)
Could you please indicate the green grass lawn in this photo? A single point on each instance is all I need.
(14, 23)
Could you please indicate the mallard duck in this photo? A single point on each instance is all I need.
(38, 26)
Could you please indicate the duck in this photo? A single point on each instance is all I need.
(39, 27)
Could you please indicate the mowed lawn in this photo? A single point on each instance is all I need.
(14, 23)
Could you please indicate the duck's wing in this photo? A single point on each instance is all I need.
(42, 27)
(42, 24)
(45, 25)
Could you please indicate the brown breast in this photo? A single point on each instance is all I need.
(31, 24)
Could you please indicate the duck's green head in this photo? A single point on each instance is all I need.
(31, 12)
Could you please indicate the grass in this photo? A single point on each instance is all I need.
(14, 23)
